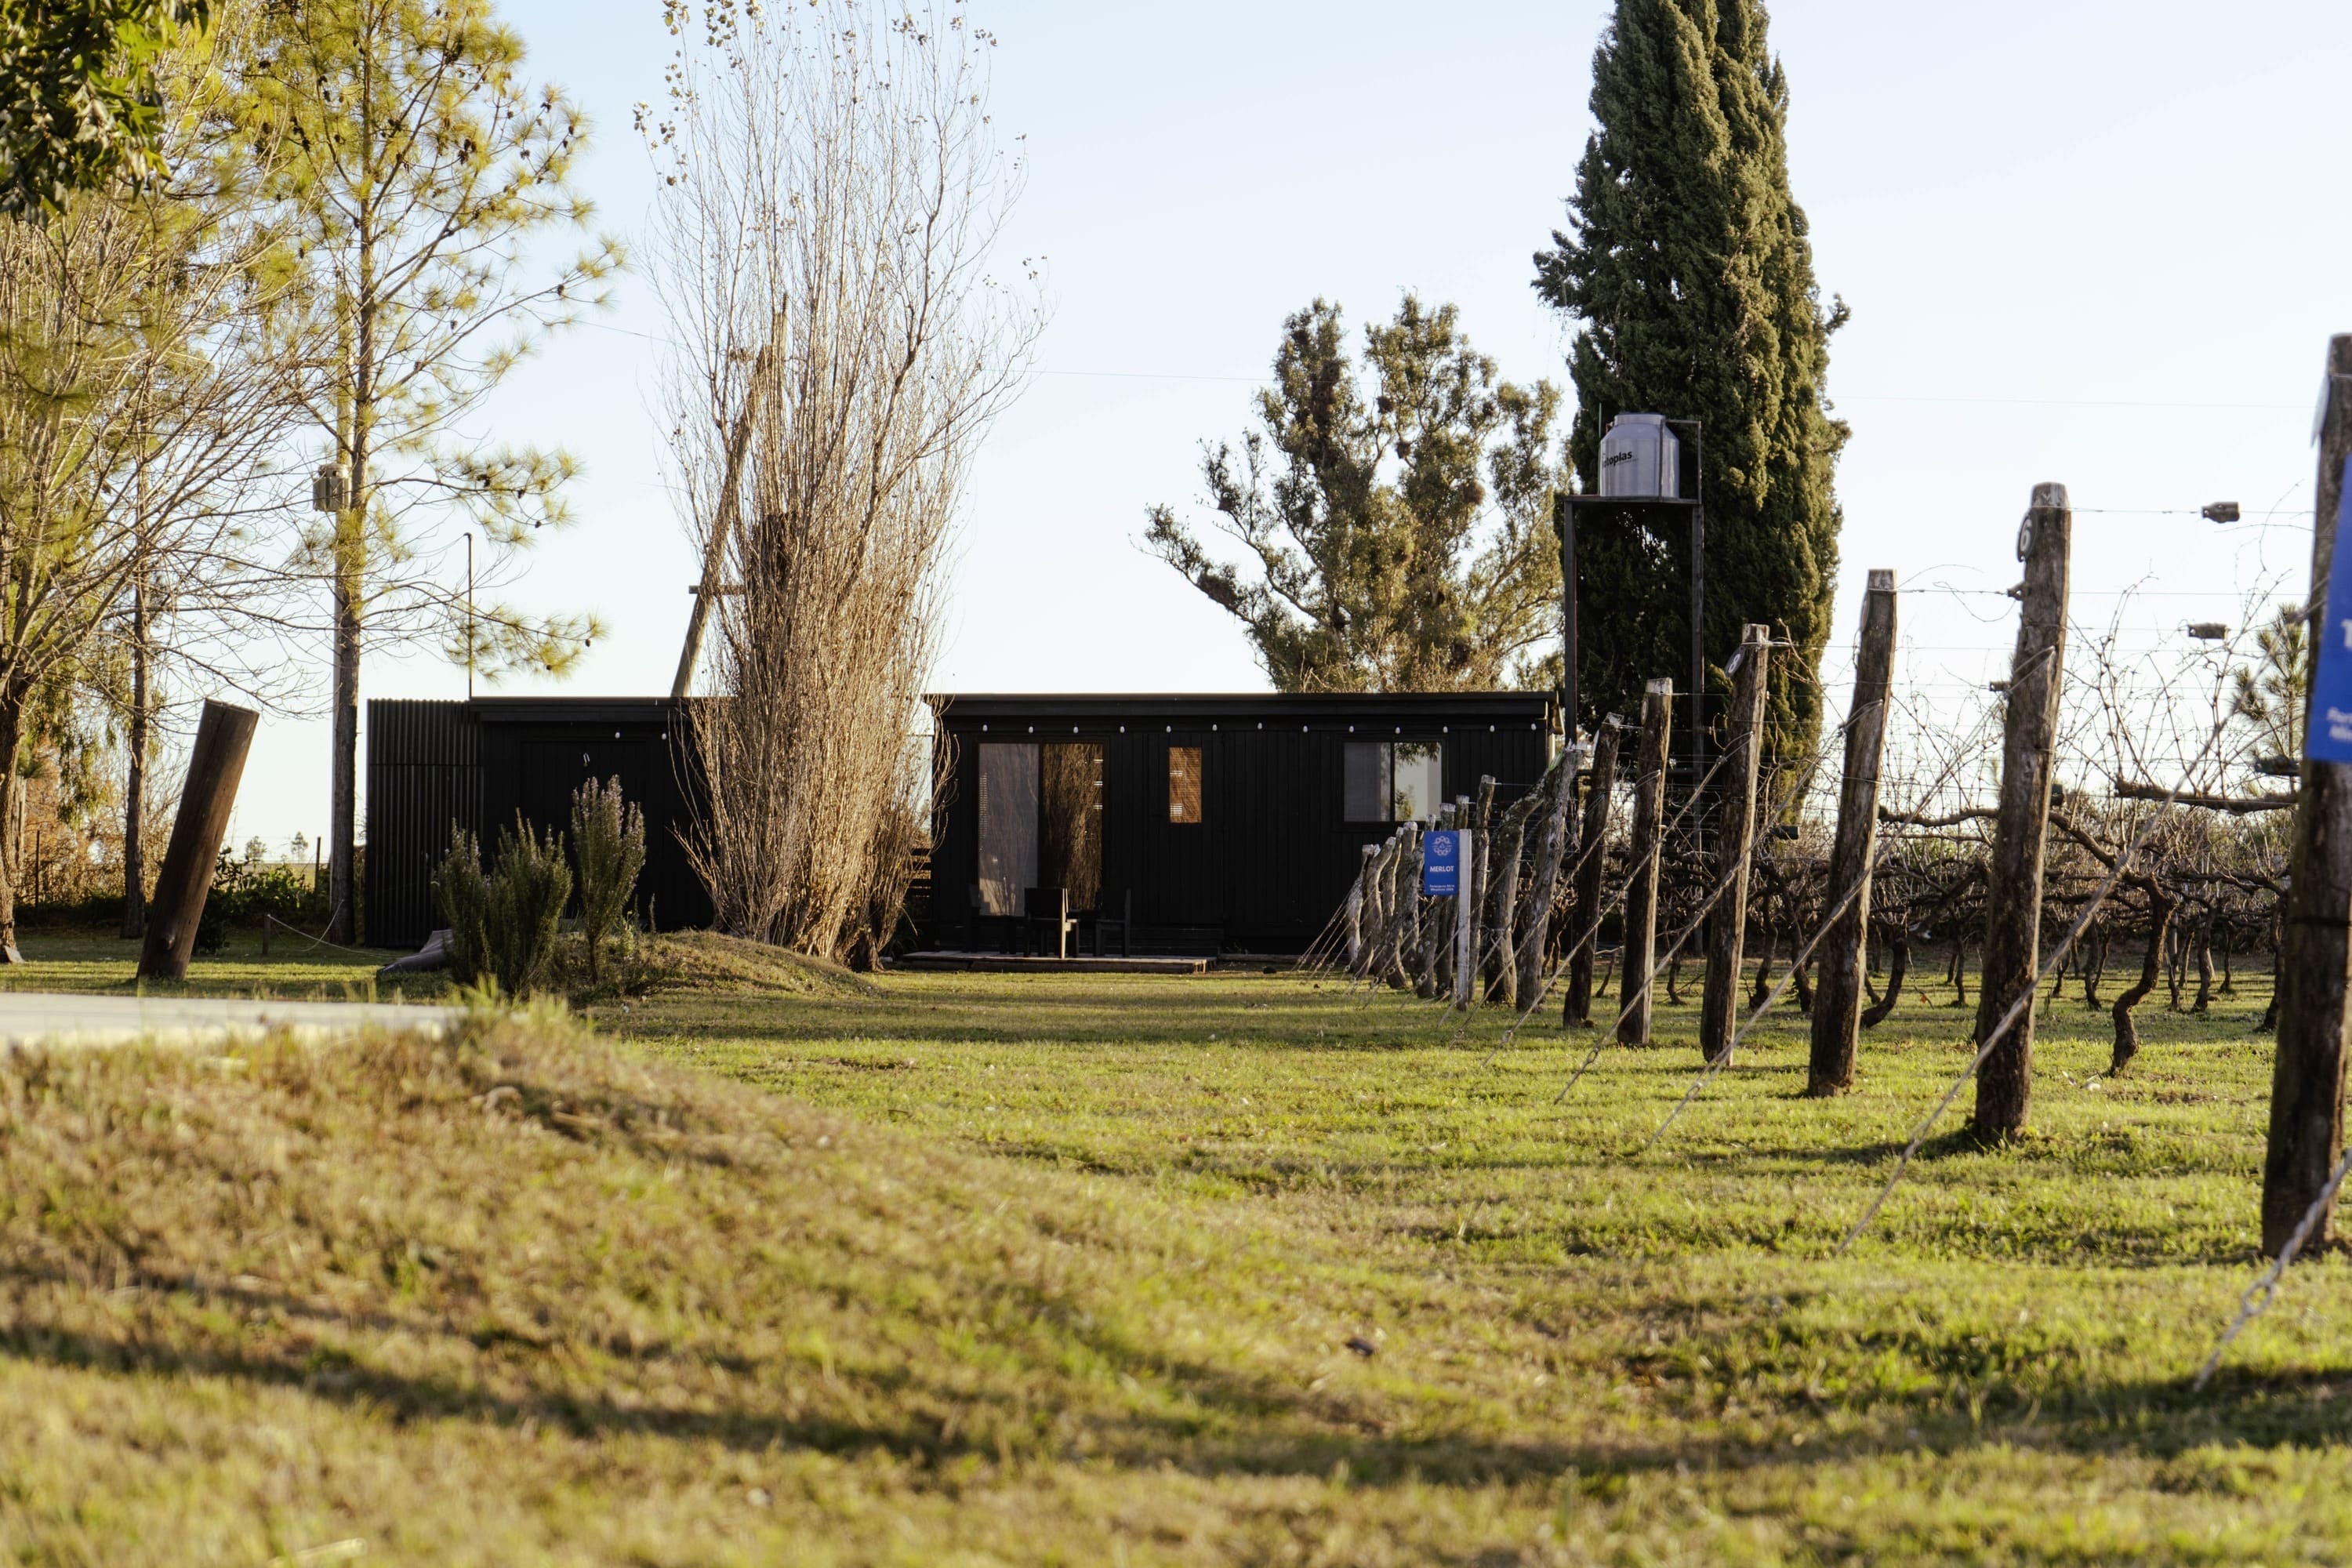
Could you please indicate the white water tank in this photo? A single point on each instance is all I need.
(1641, 459)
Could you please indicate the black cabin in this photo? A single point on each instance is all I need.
(1232, 823)
(477, 763)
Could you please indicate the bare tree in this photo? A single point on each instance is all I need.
(834, 193)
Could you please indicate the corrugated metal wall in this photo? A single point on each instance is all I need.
(424, 778)
(433, 766)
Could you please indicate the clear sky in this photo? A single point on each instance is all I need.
(2092, 241)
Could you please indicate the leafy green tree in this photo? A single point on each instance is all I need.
(139, 401)
(425, 173)
(1687, 264)
(1401, 541)
(79, 105)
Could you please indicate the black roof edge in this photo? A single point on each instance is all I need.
(529, 710)
(1538, 707)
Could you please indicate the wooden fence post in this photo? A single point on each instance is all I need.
(1642, 891)
(1502, 956)
(1359, 910)
(1535, 911)
(1465, 923)
(2014, 884)
(1577, 1007)
(1480, 935)
(215, 766)
(2314, 948)
(1436, 932)
(1837, 995)
(1727, 930)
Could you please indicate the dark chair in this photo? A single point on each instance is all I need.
(982, 914)
(1044, 911)
(1110, 915)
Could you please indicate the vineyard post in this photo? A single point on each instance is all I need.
(1642, 891)
(1465, 923)
(2013, 883)
(1475, 889)
(2315, 949)
(1600, 784)
(1727, 930)
(1837, 995)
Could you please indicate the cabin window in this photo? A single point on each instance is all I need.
(1183, 784)
(1008, 825)
(1070, 819)
(1393, 781)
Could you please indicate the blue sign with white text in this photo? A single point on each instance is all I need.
(2330, 740)
(1441, 865)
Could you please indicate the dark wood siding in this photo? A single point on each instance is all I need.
(1272, 856)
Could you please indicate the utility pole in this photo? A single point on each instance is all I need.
(1600, 784)
(1727, 930)
(2315, 953)
(2012, 965)
(1641, 890)
(1837, 997)
(722, 527)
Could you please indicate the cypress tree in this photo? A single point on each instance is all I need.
(1688, 267)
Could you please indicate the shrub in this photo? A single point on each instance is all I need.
(527, 892)
(608, 841)
(463, 896)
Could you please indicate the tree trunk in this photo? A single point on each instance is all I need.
(12, 805)
(1502, 961)
(1727, 934)
(134, 782)
(1675, 980)
(1960, 972)
(1898, 961)
(1763, 985)
(2160, 930)
(1644, 851)
(2204, 965)
(1591, 864)
(2176, 966)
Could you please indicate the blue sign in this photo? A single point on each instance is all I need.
(2330, 740)
(1441, 865)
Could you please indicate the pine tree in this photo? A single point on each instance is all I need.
(1400, 542)
(1689, 268)
(426, 175)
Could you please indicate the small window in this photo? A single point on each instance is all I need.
(1420, 769)
(1393, 781)
(1183, 784)
(1369, 785)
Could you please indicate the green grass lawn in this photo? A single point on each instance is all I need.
(781, 1266)
(295, 968)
